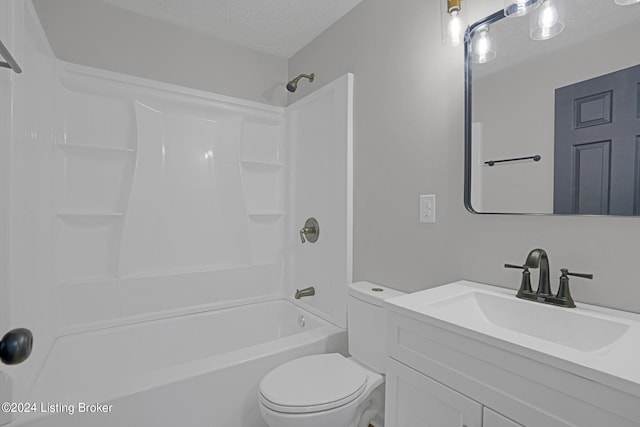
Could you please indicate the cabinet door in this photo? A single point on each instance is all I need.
(493, 419)
(414, 400)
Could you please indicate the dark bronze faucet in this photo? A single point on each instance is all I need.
(538, 258)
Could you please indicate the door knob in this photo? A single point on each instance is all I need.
(16, 346)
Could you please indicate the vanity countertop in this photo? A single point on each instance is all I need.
(592, 342)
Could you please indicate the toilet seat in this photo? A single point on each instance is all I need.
(312, 384)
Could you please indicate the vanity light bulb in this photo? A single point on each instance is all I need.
(453, 22)
(483, 45)
(454, 29)
(483, 49)
(548, 20)
(548, 16)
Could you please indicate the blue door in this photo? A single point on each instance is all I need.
(597, 145)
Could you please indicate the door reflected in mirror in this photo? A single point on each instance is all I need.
(553, 126)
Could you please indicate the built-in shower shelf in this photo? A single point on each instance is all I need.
(90, 214)
(95, 148)
(262, 164)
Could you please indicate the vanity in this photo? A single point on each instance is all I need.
(474, 355)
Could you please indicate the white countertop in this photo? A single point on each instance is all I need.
(593, 342)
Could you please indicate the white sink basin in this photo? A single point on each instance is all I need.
(565, 326)
(589, 341)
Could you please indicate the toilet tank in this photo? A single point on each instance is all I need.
(367, 323)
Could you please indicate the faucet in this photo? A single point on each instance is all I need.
(538, 258)
(306, 292)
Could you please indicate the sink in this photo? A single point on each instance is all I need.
(596, 343)
(590, 341)
(577, 329)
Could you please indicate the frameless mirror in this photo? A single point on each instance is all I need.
(553, 126)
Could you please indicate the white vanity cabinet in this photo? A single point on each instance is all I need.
(441, 375)
(413, 399)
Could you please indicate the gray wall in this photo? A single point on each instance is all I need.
(100, 35)
(409, 141)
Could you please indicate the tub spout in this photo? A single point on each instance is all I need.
(306, 292)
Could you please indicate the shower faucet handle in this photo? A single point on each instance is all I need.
(303, 232)
(310, 231)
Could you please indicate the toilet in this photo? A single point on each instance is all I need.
(330, 389)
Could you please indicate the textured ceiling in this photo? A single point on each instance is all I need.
(277, 27)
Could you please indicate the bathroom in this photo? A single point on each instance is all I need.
(404, 145)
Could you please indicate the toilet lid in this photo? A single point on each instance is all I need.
(313, 383)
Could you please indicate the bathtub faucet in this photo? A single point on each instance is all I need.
(306, 292)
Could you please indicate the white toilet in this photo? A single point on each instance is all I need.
(330, 389)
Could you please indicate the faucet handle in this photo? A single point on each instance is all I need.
(569, 273)
(564, 294)
(311, 231)
(525, 284)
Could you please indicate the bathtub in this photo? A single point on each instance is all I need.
(194, 370)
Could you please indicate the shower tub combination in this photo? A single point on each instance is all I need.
(196, 370)
(166, 226)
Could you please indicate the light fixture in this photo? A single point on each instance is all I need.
(483, 45)
(453, 23)
(626, 2)
(548, 20)
(520, 7)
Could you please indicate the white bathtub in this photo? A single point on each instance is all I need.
(196, 370)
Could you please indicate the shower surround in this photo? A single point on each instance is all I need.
(129, 201)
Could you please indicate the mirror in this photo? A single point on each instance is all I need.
(553, 126)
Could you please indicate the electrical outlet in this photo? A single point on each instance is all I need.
(428, 208)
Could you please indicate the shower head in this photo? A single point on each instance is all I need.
(293, 84)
